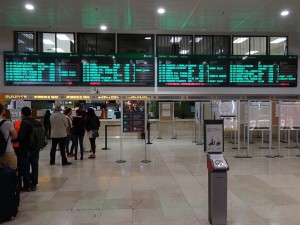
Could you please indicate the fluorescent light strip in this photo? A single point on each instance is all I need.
(48, 42)
(251, 52)
(240, 40)
(198, 39)
(62, 37)
(175, 40)
(278, 40)
(184, 52)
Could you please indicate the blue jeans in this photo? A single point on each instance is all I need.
(68, 139)
(62, 147)
(29, 159)
(74, 146)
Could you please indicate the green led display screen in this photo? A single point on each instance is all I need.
(227, 71)
(118, 70)
(41, 69)
(183, 70)
(265, 71)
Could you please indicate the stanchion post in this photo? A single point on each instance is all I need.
(148, 134)
(105, 140)
(121, 136)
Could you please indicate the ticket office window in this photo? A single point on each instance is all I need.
(56, 42)
(96, 43)
(24, 41)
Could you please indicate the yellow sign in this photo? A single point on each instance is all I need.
(138, 97)
(16, 96)
(79, 97)
(46, 97)
(2, 99)
(108, 97)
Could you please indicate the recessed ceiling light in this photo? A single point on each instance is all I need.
(29, 6)
(103, 27)
(284, 13)
(161, 10)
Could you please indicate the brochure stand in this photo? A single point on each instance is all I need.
(217, 167)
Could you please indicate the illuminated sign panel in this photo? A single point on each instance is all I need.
(192, 70)
(118, 70)
(263, 71)
(42, 69)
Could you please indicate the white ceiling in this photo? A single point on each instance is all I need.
(133, 16)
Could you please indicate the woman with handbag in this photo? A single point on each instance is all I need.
(92, 125)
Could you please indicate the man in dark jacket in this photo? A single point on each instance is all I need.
(29, 157)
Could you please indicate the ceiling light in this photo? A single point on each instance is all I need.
(251, 52)
(198, 39)
(58, 49)
(175, 39)
(103, 27)
(278, 40)
(28, 36)
(161, 10)
(183, 52)
(147, 38)
(29, 6)
(62, 37)
(48, 42)
(240, 40)
(284, 13)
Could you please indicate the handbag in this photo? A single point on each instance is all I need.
(95, 133)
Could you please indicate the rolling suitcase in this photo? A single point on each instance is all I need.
(9, 194)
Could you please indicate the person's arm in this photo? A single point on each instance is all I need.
(12, 133)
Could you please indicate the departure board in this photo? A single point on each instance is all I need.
(118, 70)
(263, 71)
(192, 70)
(59, 69)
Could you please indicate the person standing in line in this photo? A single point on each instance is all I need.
(9, 158)
(92, 123)
(16, 146)
(59, 125)
(29, 157)
(47, 124)
(68, 113)
(78, 133)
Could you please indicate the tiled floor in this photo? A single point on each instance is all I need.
(170, 190)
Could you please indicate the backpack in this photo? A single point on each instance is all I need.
(37, 136)
(3, 140)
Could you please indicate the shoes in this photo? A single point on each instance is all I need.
(92, 156)
(81, 158)
(70, 155)
(33, 188)
(52, 163)
(66, 163)
(26, 189)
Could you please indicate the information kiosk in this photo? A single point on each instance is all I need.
(217, 171)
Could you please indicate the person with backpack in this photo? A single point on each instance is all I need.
(7, 134)
(29, 148)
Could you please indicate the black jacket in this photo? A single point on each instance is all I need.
(92, 123)
(26, 129)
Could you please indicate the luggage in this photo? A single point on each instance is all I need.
(9, 194)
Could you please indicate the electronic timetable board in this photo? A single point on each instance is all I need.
(264, 71)
(118, 70)
(192, 70)
(227, 71)
(137, 70)
(34, 69)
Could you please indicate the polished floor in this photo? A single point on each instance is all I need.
(170, 190)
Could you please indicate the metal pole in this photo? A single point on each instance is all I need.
(239, 133)
(121, 136)
(105, 141)
(146, 132)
